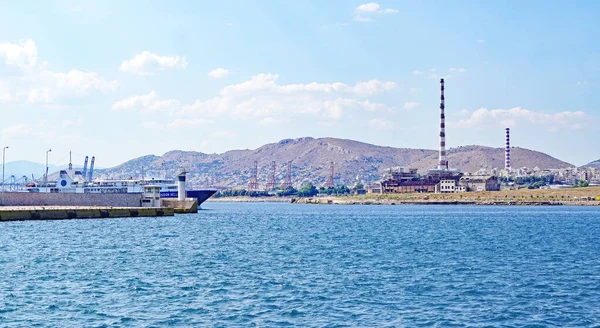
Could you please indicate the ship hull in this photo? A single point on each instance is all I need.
(201, 194)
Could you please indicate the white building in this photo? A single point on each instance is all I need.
(446, 186)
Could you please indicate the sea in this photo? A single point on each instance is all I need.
(279, 264)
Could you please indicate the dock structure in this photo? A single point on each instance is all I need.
(26, 213)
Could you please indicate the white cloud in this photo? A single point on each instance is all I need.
(410, 105)
(146, 103)
(49, 87)
(262, 96)
(152, 125)
(218, 73)
(17, 130)
(225, 134)
(416, 72)
(41, 130)
(327, 124)
(23, 55)
(480, 41)
(269, 121)
(53, 86)
(359, 18)
(212, 107)
(193, 122)
(178, 124)
(414, 90)
(37, 84)
(483, 117)
(578, 83)
(433, 73)
(148, 63)
(266, 82)
(370, 8)
(382, 124)
(70, 123)
(5, 93)
(463, 112)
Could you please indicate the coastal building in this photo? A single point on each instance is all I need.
(374, 188)
(446, 186)
(473, 182)
(402, 180)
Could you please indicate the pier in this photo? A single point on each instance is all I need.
(26, 213)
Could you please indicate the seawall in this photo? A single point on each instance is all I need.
(67, 199)
(181, 206)
(25, 213)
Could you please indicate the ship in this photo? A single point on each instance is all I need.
(77, 183)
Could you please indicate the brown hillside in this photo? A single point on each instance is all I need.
(473, 158)
(310, 161)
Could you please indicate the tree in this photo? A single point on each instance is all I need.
(289, 191)
(308, 190)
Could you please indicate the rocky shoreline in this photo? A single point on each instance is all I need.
(350, 200)
(341, 201)
(247, 199)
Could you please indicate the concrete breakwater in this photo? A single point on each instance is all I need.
(181, 206)
(24, 213)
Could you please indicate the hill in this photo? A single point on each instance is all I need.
(595, 164)
(472, 158)
(26, 168)
(310, 162)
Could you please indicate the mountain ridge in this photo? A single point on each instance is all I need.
(594, 164)
(354, 161)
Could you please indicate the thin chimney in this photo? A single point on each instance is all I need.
(443, 162)
(507, 150)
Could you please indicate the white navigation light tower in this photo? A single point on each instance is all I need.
(181, 184)
(46, 177)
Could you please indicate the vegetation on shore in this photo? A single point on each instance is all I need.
(569, 195)
(308, 190)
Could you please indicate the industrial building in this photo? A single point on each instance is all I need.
(442, 179)
(473, 182)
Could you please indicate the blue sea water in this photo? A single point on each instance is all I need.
(256, 264)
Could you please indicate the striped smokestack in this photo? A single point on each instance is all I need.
(507, 150)
(443, 162)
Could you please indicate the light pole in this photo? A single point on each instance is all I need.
(3, 164)
(46, 177)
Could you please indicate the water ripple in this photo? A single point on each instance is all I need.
(256, 265)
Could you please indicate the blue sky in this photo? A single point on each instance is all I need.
(121, 79)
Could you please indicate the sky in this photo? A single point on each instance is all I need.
(122, 79)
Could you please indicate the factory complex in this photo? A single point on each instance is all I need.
(441, 179)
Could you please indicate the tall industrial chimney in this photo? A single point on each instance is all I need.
(507, 150)
(443, 162)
